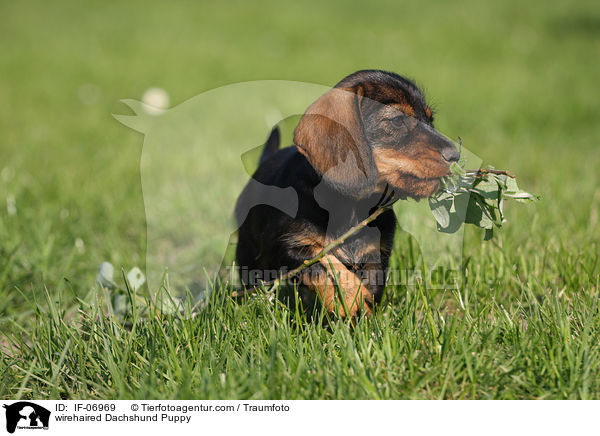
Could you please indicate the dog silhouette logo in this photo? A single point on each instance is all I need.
(26, 415)
(194, 165)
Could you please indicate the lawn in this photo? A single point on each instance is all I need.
(518, 82)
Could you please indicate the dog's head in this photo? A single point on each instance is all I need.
(379, 121)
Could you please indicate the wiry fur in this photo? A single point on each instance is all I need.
(370, 136)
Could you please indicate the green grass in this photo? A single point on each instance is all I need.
(518, 82)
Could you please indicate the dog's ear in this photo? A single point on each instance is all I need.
(331, 136)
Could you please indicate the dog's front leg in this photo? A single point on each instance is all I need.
(339, 289)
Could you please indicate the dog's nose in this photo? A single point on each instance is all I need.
(450, 154)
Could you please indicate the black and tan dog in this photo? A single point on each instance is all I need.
(370, 140)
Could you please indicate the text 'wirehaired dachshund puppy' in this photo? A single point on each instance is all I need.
(368, 141)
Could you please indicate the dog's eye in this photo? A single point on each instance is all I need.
(398, 122)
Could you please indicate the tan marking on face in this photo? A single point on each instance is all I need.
(407, 109)
(393, 109)
(418, 176)
(427, 164)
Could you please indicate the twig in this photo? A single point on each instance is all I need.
(483, 171)
(333, 244)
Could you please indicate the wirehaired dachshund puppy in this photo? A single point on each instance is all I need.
(367, 142)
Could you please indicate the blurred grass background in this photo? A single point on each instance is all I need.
(518, 81)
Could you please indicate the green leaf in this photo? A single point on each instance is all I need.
(476, 214)
(511, 185)
(136, 278)
(485, 192)
(441, 210)
(522, 195)
(487, 188)
(105, 275)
